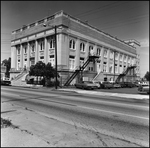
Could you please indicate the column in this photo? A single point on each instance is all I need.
(122, 63)
(118, 64)
(45, 51)
(95, 63)
(126, 61)
(28, 55)
(102, 59)
(21, 56)
(86, 55)
(36, 51)
(13, 57)
(108, 60)
(77, 57)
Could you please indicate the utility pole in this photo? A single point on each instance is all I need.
(55, 57)
(114, 65)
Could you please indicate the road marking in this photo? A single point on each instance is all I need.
(112, 112)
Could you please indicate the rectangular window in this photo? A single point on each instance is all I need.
(42, 57)
(25, 59)
(51, 56)
(71, 62)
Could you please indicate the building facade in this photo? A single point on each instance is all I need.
(75, 41)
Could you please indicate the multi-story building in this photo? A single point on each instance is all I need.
(75, 40)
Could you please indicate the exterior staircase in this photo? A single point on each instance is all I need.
(20, 79)
(121, 76)
(99, 77)
(91, 58)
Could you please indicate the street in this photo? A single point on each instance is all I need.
(125, 119)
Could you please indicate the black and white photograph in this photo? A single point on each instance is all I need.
(75, 74)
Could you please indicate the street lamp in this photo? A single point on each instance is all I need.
(44, 25)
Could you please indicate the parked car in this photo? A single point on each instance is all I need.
(5, 81)
(116, 85)
(97, 84)
(106, 85)
(86, 85)
(130, 84)
(144, 88)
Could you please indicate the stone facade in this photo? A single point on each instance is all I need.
(75, 40)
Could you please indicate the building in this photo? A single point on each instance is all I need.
(3, 71)
(75, 41)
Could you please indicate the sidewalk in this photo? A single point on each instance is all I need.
(98, 93)
(33, 129)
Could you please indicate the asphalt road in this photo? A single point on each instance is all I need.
(125, 119)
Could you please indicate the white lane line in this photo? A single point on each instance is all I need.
(112, 112)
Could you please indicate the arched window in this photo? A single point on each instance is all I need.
(72, 44)
(18, 50)
(98, 51)
(120, 57)
(91, 49)
(82, 47)
(111, 55)
(105, 53)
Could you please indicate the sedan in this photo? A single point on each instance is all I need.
(106, 85)
(86, 85)
(116, 85)
(143, 88)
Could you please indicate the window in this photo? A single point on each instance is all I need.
(72, 44)
(91, 68)
(124, 58)
(42, 57)
(91, 49)
(18, 51)
(116, 56)
(42, 45)
(120, 57)
(25, 59)
(82, 47)
(111, 55)
(105, 53)
(98, 51)
(52, 44)
(32, 61)
(104, 66)
(25, 49)
(52, 60)
(71, 62)
(81, 61)
(111, 68)
(32, 47)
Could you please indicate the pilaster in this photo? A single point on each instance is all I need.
(77, 57)
(28, 55)
(108, 60)
(21, 56)
(46, 51)
(102, 59)
(118, 63)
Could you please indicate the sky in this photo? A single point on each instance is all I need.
(122, 19)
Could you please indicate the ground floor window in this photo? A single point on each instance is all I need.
(71, 62)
